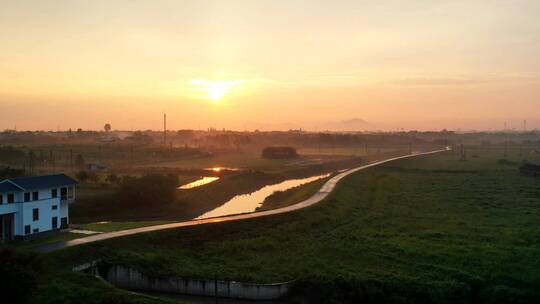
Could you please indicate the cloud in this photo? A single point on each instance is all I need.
(362, 78)
(462, 79)
(242, 84)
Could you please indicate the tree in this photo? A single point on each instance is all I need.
(107, 127)
(147, 191)
(79, 161)
(113, 178)
(8, 172)
(93, 177)
(19, 272)
(82, 176)
(279, 152)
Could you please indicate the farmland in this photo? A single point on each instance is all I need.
(104, 161)
(432, 229)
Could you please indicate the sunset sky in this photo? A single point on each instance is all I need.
(233, 64)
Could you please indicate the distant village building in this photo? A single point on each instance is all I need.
(97, 168)
(530, 169)
(30, 206)
(107, 138)
(279, 152)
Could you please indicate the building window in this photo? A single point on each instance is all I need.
(35, 196)
(54, 207)
(27, 229)
(54, 193)
(36, 230)
(26, 196)
(63, 193)
(35, 214)
(55, 222)
(11, 198)
(70, 192)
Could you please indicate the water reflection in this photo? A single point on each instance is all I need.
(202, 181)
(249, 202)
(219, 169)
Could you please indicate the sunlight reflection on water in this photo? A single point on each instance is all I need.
(202, 181)
(249, 202)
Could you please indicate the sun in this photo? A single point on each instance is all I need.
(217, 91)
(214, 90)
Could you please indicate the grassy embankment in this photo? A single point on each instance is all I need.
(292, 196)
(116, 226)
(194, 202)
(431, 229)
(78, 288)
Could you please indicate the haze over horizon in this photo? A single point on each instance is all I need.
(426, 65)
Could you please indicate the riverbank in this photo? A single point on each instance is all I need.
(292, 196)
(189, 204)
(321, 194)
(431, 229)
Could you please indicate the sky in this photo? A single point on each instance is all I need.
(414, 64)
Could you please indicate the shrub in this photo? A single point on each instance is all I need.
(19, 275)
(279, 152)
(82, 176)
(148, 190)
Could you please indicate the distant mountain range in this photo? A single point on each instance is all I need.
(355, 124)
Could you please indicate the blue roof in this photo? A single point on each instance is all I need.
(43, 182)
(6, 186)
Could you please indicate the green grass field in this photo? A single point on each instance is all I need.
(77, 288)
(58, 237)
(429, 229)
(230, 160)
(116, 226)
(346, 151)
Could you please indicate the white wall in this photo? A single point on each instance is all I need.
(6, 208)
(46, 213)
(15, 208)
(24, 211)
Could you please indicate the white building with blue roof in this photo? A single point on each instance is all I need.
(30, 206)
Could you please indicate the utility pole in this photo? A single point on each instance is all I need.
(131, 155)
(31, 165)
(463, 155)
(71, 159)
(52, 160)
(165, 130)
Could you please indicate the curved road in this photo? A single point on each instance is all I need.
(316, 198)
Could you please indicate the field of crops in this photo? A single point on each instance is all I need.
(433, 229)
